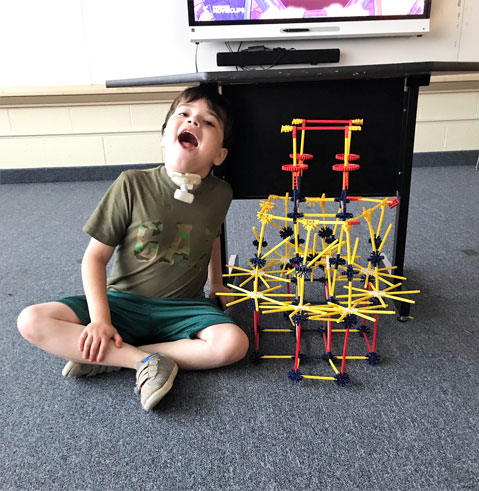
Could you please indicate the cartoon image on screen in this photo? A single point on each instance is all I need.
(238, 10)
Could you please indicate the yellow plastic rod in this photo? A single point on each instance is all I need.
(317, 377)
(333, 365)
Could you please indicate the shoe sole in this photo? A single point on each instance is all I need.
(156, 397)
(70, 366)
(67, 369)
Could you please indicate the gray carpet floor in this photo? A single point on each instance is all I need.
(409, 423)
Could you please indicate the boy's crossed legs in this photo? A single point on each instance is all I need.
(55, 328)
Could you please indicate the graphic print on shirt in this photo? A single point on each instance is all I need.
(180, 246)
(147, 247)
(147, 241)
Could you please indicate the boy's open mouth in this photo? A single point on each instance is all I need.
(187, 140)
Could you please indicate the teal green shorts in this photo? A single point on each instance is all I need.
(142, 320)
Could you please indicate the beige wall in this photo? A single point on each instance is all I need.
(448, 114)
(83, 126)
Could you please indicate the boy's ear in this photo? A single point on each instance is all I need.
(218, 160)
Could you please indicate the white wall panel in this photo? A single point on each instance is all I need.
(429, 137)
(125, 149)
(5, 128)
(462, 105)
(99, 119)
(40, 121)
(81, 42)
(463, 135)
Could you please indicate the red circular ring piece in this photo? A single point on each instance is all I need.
(351, 156)
(294, 168)
(302, 156)
(347, 168)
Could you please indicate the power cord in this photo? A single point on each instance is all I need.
(196, 56)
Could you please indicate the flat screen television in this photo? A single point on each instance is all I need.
(262, 20)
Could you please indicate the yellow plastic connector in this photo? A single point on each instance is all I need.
(266, 206)
(264, 217)
(358, 121)
(286, 128)
(309, 224)
(297, 121)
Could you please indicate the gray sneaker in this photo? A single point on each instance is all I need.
(154, 379)
(73, 369)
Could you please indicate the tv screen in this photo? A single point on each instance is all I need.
(242, 20)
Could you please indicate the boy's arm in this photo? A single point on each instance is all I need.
(215, 277)
(95, 338)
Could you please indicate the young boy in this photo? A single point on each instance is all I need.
(151, 314)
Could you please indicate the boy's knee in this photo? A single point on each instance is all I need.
(28, 323)
(233, 348)
(243, 345)
(24, 321)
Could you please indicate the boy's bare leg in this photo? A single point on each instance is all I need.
(55, 328)
(215, 346)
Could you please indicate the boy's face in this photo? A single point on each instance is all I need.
(193, 139)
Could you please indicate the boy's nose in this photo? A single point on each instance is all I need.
(193, 121)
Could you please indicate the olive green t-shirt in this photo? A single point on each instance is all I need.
(163, 245)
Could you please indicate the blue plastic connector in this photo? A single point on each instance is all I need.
(286, 232)
(337, 261)
(343, 215)
(300, 318)
(327, 356)
(377, 241)
(325, 232)
(294, 261)
(302, 269)
(295, 215)
(295, 376)
(258, 261)
(373, 358)
(256, 243)
(375, 258)
(350, 272)
(341, 379)
(363, 329)
(350, 320)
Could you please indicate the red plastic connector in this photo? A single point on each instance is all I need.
(345, 168)
(295, 168)
(351, 156)
(302, 156)
(393, 202)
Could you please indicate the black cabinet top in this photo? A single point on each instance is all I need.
(302, 74)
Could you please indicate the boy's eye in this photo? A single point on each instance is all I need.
(182, 113)
(209, 123)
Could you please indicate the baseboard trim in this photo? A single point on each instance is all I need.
(441, 159)
(111, 172)
(65, 174)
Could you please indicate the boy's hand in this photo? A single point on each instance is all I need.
(221, 299)
(95, 338)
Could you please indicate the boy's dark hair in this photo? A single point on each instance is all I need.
(215, 102)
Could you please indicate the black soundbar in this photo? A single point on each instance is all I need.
(278, 56)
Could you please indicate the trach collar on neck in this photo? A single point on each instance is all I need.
(186, 182)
